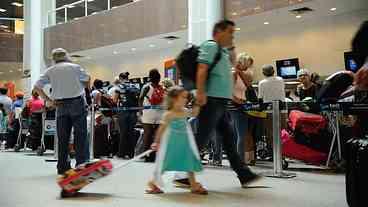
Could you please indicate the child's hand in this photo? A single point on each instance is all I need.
(155, 146)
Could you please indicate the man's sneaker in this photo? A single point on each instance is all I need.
(182, 183)
(245, 181)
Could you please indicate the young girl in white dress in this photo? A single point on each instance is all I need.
(177, 150)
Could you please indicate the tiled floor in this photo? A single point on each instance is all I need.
(29, 181)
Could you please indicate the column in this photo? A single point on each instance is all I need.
(35, 19)
(202, 15)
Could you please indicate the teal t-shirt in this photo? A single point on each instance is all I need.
(219, 82)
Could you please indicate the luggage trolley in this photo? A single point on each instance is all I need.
(23, 130)
(48, 129)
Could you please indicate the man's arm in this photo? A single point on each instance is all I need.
(40, 84)
(142, 95)
(201, 79)
(42, 93)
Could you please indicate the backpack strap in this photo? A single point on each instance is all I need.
(218, 56)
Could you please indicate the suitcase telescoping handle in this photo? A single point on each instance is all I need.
(138, 157)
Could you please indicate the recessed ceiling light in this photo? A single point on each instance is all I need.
(333, 9)
(4, 26)
(152, 45)
(234, 13)
(2, 10)
(298, 16)
(266, 23)
(17, 4)
(134, 49)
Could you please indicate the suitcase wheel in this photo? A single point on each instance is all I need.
(65, 194)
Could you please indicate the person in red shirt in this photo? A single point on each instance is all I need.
(36, 104)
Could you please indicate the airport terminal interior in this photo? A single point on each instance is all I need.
(183, 103)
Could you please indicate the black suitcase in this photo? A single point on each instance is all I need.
(356, 172)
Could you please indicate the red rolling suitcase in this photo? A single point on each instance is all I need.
(306, 123)
(293, 150)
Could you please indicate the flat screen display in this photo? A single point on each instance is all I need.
(288, 71)
(350, 63)
(288, 68)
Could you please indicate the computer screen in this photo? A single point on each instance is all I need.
(350, 63)
(288, 69)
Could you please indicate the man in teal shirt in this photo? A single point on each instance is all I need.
(214, 91)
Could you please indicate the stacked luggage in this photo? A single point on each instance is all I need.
(308, 138)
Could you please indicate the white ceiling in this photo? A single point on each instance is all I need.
(138, 47)
(282, 16)
(275, 17)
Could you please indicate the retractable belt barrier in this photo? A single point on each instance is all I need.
(334, 109)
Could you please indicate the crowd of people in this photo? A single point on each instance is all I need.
(164, 110)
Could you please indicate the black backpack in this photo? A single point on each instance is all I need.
(186, 63)
(128, 95)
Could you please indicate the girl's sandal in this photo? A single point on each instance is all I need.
(199, 189)
(153, 189)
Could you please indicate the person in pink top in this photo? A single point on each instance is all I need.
(36, 103)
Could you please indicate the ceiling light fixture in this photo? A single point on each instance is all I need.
(266, 23)
(234, 13)
(298, 16)
(115, 52)
(134, 49)
(2, 10)
(152, 45)
(17, 4)
(333, 9)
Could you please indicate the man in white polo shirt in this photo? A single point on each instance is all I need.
(67, 81)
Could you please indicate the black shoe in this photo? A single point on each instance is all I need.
(182, 183)
(245, 181)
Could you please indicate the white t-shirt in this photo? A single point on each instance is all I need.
(271, 88)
